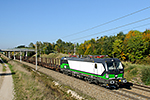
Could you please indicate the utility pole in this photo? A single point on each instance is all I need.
(36, 55)
(20, 55)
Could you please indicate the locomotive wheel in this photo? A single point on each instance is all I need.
(88, 80)
(85, 78)
(63, 72)
(96, 82)
(73, 75)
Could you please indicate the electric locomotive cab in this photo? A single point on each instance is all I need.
(114, 72)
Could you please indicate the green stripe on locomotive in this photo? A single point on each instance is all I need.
(63, 65)
(111, 76)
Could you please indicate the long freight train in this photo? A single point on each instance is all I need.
(107, 72)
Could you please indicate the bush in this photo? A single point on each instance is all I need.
(134, 71)
(129, 68)
(5, 61)
(146, 75)
(145, 61)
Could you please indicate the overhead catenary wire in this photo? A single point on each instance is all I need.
(133, 27)
(128, 29)
(107, 22)
(112, 28)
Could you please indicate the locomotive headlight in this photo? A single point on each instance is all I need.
(112, 82)
(65, 66)
(107, 76)
(124, 81)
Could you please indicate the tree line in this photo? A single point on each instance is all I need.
(133, 46)
(58, 47)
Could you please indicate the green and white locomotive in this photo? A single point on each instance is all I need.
(108, 72)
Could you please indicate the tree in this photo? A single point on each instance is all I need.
(117, 48)
(31, 45)
(135, 45)
(21, 46)
(88, 50)
(81, 49)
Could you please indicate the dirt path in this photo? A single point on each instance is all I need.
(1, 77)
(6, 89)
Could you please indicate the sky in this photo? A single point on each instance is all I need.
(26, 21)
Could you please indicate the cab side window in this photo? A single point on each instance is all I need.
(95, 66)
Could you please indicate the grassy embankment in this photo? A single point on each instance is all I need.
(4, 67)
(137, 73)
(30, 84)
(3, 64)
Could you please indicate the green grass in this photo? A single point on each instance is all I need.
(4, 67)
(30, 85)
(33, 86)
(138, 73)
(134, 72)
(4, 58)
(146, 75)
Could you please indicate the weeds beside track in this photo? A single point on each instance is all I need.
(28, 84)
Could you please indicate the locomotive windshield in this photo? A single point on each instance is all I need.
(114, 66)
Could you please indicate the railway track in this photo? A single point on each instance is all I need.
(135, 91)
(147, 89)
(132, 92)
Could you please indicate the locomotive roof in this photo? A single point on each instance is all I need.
(91, 59)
